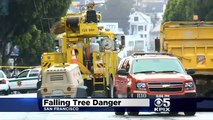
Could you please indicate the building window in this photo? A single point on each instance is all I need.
(145, 28)
(145, 36)
(131, 43)
(140, 28)
(141, 35)
(135, 18)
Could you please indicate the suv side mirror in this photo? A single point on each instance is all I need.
(122, 72)
(190, 71)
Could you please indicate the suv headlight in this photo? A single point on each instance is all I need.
(189, 85)
(141, 86)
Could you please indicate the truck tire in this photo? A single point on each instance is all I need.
(89, 85)
(110, 88)
(81, 92)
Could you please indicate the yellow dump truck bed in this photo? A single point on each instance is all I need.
(191, 42)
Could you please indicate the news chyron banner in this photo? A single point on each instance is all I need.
(92, 104)
(156, 104)
(69, 104)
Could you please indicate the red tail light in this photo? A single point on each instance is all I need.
(3, 81)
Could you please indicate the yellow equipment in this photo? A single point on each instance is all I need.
(192, 43)
(96, 50)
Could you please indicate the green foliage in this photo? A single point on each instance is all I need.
(183, 10)
(205, 9)
(27, 25)
(36, 42)
(179, 10)
(117, 11)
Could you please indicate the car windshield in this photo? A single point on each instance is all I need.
(157, 66)
(34, 73)
(1, 75)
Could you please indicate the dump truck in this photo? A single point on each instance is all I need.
(192, 43)
(96, 51)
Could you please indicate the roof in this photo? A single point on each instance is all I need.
(144, 16)
(152, 55)
(155, 57)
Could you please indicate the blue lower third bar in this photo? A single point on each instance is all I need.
(100, 105)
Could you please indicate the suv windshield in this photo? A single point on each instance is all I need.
(157, 66)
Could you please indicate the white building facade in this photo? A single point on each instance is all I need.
(140, 24)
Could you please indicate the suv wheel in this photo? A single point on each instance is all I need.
(190, 107)
(132, 112)
(119, 111)
(189, 113)
(173, 113)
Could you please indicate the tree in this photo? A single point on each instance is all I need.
(183, 10)
(204, 9)
(36, 42)
(4, 7)
(117, 11)
(26, 23)
(179, 10)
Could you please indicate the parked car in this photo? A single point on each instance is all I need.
(159, 76)
(26, 80)
(4, 84)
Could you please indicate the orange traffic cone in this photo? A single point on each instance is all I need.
(74, 59)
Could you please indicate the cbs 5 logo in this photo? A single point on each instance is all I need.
(159, 102)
